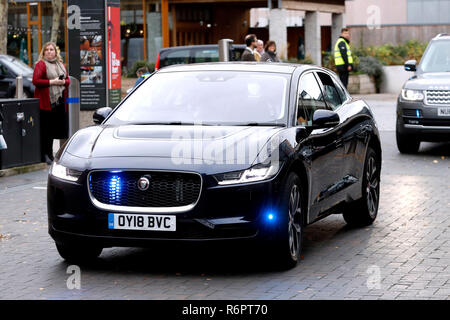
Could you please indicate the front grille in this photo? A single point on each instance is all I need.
(166, 189)
(438, 97)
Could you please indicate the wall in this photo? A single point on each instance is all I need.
(391, 11)
(362, 36)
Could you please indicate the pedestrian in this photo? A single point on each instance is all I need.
(142, 74)
(343, 58)
(259, 51)
(51, 79)
(270, 54)
(249, 52)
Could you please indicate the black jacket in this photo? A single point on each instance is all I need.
(343, 50)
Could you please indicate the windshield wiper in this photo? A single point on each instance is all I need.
(261, 124)
(172, 123)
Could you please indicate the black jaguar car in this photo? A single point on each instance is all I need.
(217, 151)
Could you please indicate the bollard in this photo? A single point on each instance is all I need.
(19, 87)
(73, 101)
(224, 49)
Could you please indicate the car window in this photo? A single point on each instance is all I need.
(340, 90)
(436, 57)
(331, 93)
(3, 70)
(177, 57)
(310, 99)
(207, 97)
(206, 55)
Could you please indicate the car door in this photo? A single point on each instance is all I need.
(325, 148)
(356, 128)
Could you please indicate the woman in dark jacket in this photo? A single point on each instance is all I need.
(51, 80)
(270, 54)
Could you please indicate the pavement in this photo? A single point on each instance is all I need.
(405, 254)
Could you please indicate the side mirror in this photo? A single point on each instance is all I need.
(101, 114)
(325, 119)
(410, 65)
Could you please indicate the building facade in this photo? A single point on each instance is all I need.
(149, 25)
(376, 22)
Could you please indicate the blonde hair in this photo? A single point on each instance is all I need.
(50, 43)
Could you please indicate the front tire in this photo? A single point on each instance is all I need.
(78, 254)
(289, 239)
(407, 143)
(363, 212)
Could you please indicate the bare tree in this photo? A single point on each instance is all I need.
(57, 6)
(3, 26)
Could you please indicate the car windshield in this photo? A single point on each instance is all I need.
(437, 57)
(17, 66)
(207, 97)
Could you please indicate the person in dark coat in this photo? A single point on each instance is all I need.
(270, 54)
(51, 79)
(249, 53)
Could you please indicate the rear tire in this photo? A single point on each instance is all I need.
(363, 212)
(286, 249)
(407, 143)
(77, 254)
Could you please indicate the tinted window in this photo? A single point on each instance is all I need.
(310, 99)
(208, 97)
(437, 57)
(331, 94)
(340, 90)
(206, 55)
(177, 57)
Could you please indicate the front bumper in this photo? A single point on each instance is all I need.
(222, 213)
(422, 121)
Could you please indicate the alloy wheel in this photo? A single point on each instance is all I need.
(294, 222)
(372, 187)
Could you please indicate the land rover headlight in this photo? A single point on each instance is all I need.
(412, 95)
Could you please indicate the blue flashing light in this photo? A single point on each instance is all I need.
(115, 188)
(418, 113)
(270, 215)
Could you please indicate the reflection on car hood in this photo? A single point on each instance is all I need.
(429, 81)
(210, 143)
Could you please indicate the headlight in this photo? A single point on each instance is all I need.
(258, 172)
(64, 173)
(412, 95)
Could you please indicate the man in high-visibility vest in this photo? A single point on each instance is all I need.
(343, 56)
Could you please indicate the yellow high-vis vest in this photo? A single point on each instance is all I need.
(338, 60)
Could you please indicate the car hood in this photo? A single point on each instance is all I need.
(429, 81)
(208, 143)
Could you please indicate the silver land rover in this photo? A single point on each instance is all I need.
(423, 107)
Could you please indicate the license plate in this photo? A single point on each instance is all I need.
(444, 112)
(141, 222)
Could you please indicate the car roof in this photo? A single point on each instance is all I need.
(201, 46)
(236, 66)
(441, 36)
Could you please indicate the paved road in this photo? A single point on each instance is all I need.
(404, 255)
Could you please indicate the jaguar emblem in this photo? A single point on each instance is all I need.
(143, 183)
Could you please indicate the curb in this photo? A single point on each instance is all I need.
(23, 169)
